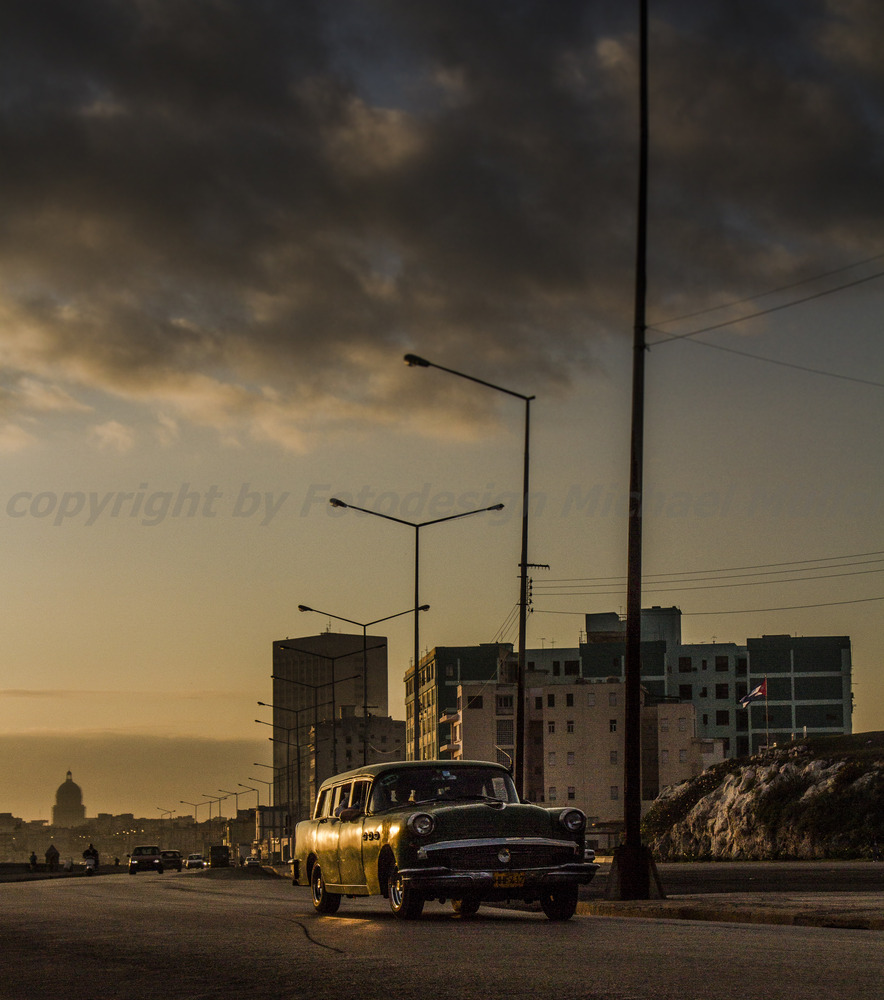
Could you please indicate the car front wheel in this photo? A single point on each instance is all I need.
(560, 904)
(323, 901)
(404, 902)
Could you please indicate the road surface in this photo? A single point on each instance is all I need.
(232, 934)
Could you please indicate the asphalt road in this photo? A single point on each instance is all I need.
(232, 934)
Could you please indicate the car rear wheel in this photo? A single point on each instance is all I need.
(323, 901)
(404, 902)
(560, 904)
(467, 907)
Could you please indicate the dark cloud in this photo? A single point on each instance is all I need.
(202, 197)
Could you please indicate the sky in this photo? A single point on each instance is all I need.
(225, 223)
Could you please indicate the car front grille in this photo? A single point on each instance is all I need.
(485, 857)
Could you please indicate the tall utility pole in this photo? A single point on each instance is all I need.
(632, 874)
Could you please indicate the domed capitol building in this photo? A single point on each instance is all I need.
(69, 810)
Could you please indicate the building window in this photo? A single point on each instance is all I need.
(569, 700)
(475, 701)
(684, 665)
(682, 755)
(590, 698)
(572, 793)
(615, 791)
(505, 732)
(705, 719)
(612, 726)
(722, 664)
(550, 701)
(613, 756)
(569, 725)
(557, 668)
(550, 727)
(570, 758)
(449, 670)
(664, 756)
(552, 793)
(505, 704)
(682, 725)
(685, 692)
(572, 668)
(723, 692)
(551, 759)
(664, 725)
(722, 717)
(538, 703)
(704, 664)
(612, 699)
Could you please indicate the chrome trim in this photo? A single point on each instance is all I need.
(454, 845)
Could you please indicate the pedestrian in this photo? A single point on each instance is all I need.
(52, 857)
(32, 861)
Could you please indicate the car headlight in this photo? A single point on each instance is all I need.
(421, 824)
(572, 820)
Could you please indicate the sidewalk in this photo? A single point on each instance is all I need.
(855, 910)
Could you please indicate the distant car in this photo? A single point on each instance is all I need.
(172, 859)
(145, 859)
(439, 829)
(253, 862)
(195, 861)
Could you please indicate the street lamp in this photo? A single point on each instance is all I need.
(335, 502)
(196, 806)
(235, 795)
(414, 361)
(214, 798)
(166, 812)
(257, 792)
(364, 626)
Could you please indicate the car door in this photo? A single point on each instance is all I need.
(327, 827)
(351, 837)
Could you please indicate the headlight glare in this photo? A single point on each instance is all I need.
(421, 824)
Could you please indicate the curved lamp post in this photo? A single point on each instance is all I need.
(335, 502)
(364, 626)
(415, 361)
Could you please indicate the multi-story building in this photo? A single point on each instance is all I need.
(575, 740)
(328, 678)
(440, 672)
(808, 678)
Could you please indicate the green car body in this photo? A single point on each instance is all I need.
(447, 830)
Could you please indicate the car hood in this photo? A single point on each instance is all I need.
(492, 820)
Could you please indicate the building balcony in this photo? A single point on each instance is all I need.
(449, 716)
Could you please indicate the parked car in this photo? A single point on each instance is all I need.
(447, 830)
(195, 861)
(172, 859)
(252, 862)
(145, 859)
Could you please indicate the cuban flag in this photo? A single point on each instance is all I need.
(759, 692)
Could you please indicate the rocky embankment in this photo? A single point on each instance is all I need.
(819, 797)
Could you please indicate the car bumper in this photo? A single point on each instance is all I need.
(496, 884)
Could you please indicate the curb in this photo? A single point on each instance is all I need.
(859, 914)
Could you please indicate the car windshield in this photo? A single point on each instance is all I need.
(440, 784)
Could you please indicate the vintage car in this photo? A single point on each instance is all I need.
(439, 829)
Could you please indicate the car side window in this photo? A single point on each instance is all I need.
(322, 804)
(359, 795)
(342, 798)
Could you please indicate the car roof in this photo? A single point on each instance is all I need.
(372, 770)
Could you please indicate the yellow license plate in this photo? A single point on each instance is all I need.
(509, 880)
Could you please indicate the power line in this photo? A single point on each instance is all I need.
(736, 569)
(770, 291)
(764, 312)
(747, 611)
